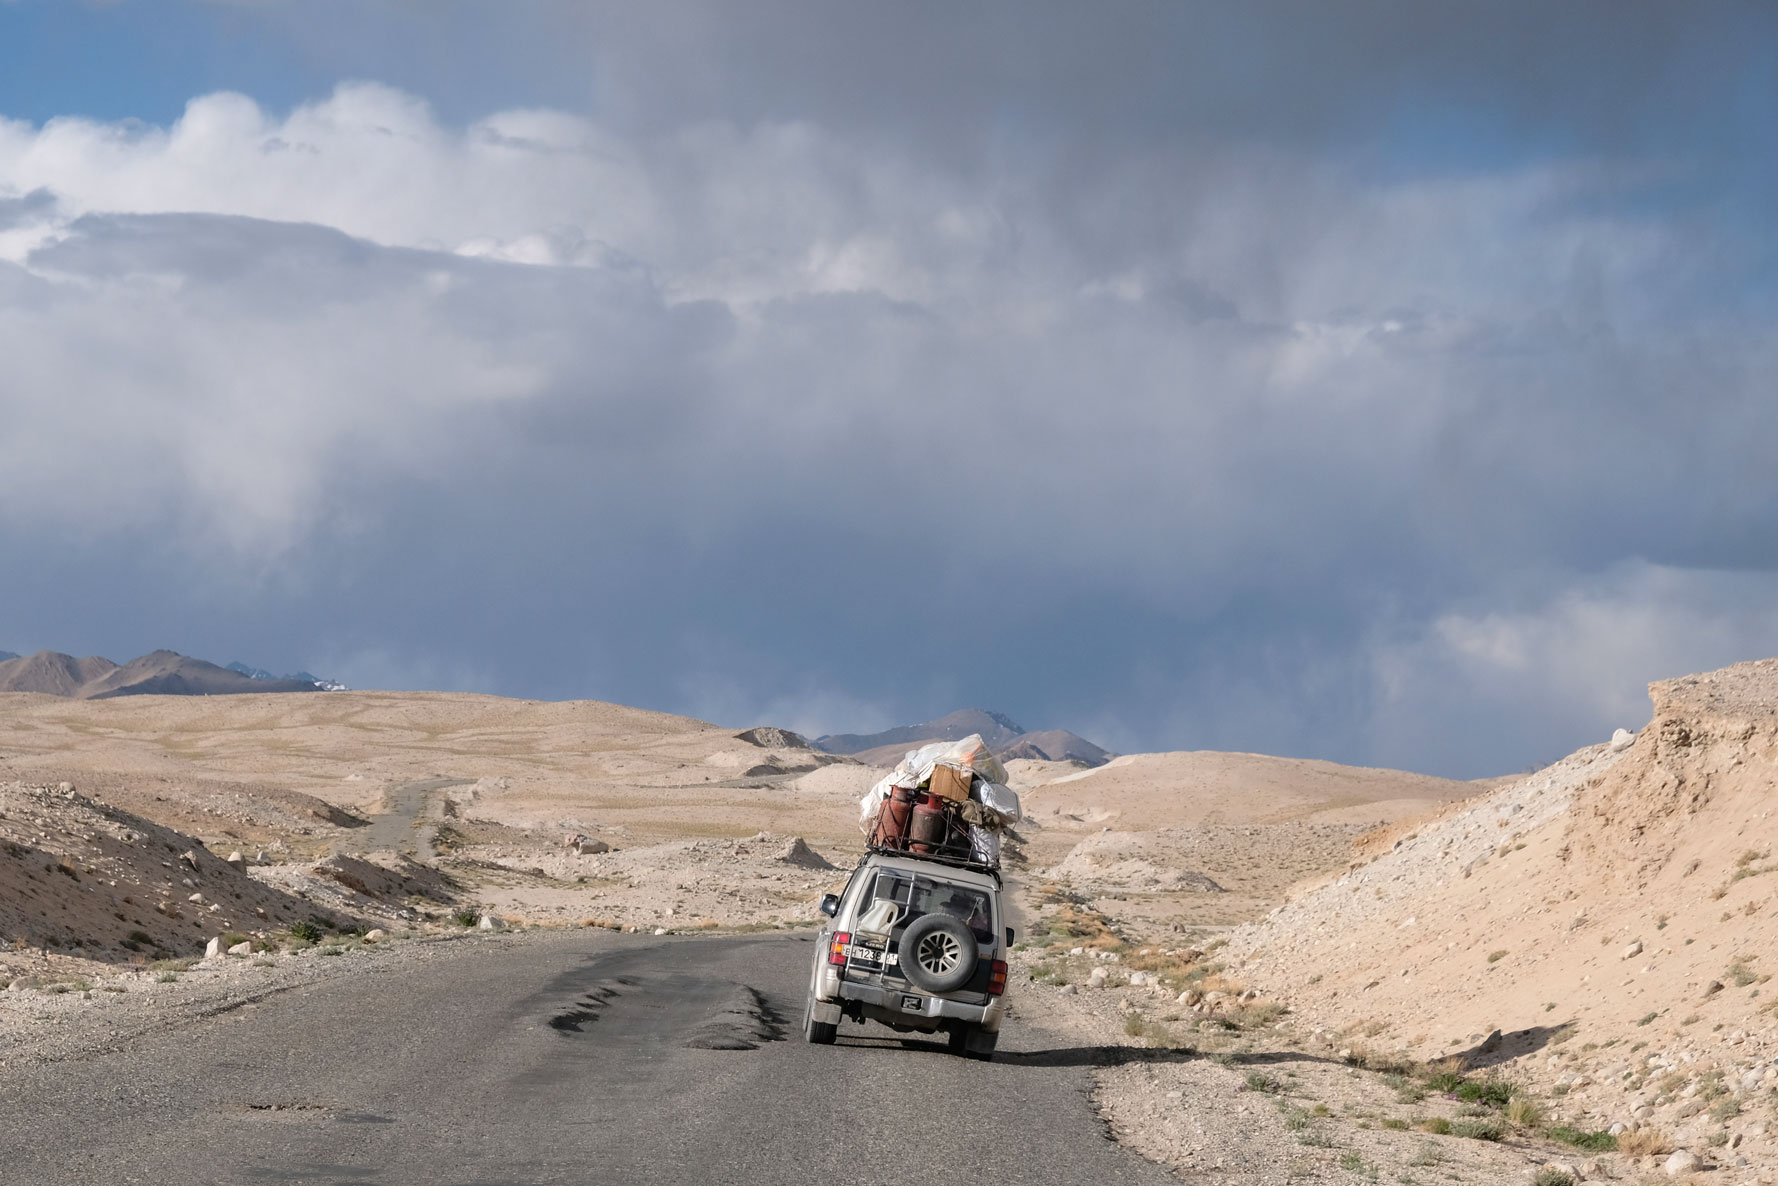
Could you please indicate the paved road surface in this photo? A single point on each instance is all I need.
(579, 1058)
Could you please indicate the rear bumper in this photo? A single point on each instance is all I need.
(884, 1004)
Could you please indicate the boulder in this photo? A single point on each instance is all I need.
(241, 949)
(237, 860)
(213, 949)
(1632, 951)
(589, 847)
(1682, 1161)
(375, 935)
(489, 923)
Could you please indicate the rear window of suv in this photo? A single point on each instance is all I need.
(915, 895)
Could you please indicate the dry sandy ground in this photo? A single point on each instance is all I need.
(1423, 914)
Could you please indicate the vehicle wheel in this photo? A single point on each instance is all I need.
(938, 953)
(959, 1038)
(821, 1033)
(981, 1045)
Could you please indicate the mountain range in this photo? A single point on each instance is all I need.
(160, 673)
(1004, 736)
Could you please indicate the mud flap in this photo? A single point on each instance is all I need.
(826, 1013)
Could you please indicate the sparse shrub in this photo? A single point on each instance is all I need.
(1523, 1112)
(1395, 1123)
(232, 938)
(1437, 1125)
(1315, 1138)
(1495, 957)
(1644, 1142)
(1296, 1119)
(166, 978)
(1320, 1110)
(1410, 1093)
(306, 931)
(1264, 1083)
(1351, 1162)
(1549, 1175)
(1491, 1090)
(466, 917)
(1478, 1128)
(141, 937)
(1726, 1108)
(1427, 1154)
(1645, 1020)
(1741, 974)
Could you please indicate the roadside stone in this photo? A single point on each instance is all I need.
(240, 948)
(1097, 978)
(1682, 1161)
(488, 923)
(375, 935)
(660, 930)
(237, 860)
(213, 949)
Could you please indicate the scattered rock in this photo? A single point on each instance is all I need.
(1097, 978)
(1490, 1044)
(1682, 1161)
(660, 930)
(375, 935)
(1622, 740)
(195, 898)
(797, 852)
(488, 923)
(245, 948)
(1711, 989)
(1632, 951)
(590, 847)
(237, 860)
(213, 949)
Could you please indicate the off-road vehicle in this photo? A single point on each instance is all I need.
(918, 944)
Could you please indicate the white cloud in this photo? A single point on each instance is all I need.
(1170, 389)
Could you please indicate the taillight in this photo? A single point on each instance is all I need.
(836, 951)
(996, 978)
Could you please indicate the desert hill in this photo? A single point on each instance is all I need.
(1150, 835)
(81, 875)
(161, 673)
(5, 655)
(1004, 736)
(1625, 898)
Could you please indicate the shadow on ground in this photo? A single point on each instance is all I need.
(1498, 1048)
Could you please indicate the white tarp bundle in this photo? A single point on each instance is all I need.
(970, 755)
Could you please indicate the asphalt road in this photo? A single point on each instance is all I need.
(587, 1057)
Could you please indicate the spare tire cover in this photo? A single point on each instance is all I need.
(938, 953)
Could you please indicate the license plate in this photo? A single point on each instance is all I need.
(872, 955)
(912, 1004)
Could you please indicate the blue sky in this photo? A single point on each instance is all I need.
(1388, 383)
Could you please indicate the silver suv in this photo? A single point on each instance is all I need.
(916, 944)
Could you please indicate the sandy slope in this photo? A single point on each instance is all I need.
(1616, 915)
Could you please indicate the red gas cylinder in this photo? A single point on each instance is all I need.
(894, 818)
(927, 831)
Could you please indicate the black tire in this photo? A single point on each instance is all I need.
(938, 953)
(819, 1033)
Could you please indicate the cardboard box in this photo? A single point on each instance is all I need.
(949, 783)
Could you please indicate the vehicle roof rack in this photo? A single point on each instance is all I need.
(938, 859)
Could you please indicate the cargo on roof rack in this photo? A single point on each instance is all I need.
(948, 800)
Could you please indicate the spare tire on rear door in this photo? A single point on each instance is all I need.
(938, 953)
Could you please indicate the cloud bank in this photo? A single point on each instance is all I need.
(1213, 442)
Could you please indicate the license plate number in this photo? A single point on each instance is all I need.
(872, 955)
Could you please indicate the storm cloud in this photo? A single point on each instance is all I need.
(1389, 387)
